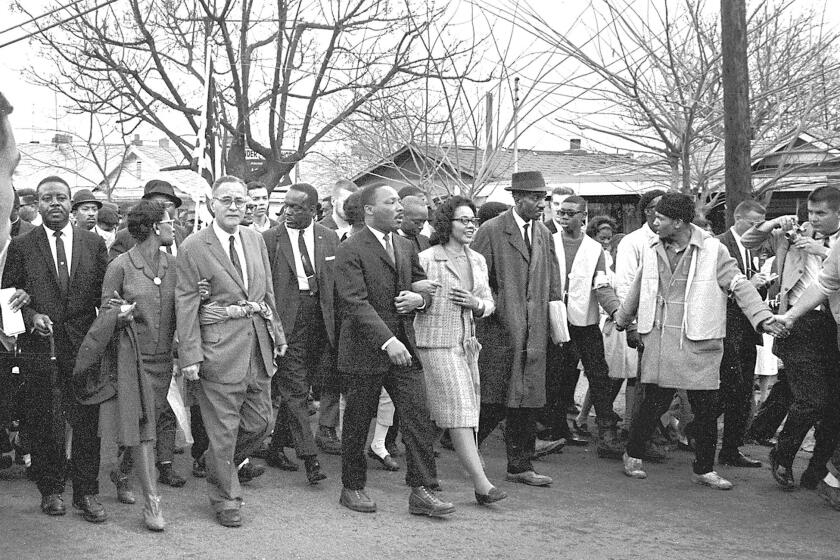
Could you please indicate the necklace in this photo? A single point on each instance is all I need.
(154, 266)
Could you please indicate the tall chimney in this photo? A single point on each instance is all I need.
(488, 126)
(574, 144)
(137, 141)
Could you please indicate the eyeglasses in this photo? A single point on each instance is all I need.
(467, 221)
(569, 213)
(226, 201)
(250, 207)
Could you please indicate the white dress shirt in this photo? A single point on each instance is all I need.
(308, 238)
(224, 239)
(67, 239)
(520, 223)
(745, 255)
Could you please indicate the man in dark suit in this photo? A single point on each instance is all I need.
(375, 272)
(163, 193)
(737, 368)
(61, 269)
(302, 256)
(229, 342)
(19, 226)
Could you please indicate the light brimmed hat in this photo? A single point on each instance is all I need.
(527, 181)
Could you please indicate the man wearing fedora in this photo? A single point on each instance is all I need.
(524, 277)
(85, 209)
(163, 193)
(29, 206)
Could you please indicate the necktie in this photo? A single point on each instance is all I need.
(234, 258)
(527, 238)
(389, 248)
(308, 269)
(169, 249)
(63, 272)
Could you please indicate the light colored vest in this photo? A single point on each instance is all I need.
(705, 302)
(581, 307)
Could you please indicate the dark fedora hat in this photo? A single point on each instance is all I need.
(527, 181)
(27, 196)
(161, 188)
(83, 196)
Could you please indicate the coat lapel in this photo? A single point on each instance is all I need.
(46, 253)
(284, 245)
(515, 236)
(215, 248)
(76, 255)
(375, 246)
(441, 255)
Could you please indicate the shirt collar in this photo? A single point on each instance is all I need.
(66, 231)
(519, 221)
(380, 235)
(224, 236)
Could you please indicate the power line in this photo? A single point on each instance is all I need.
(56, 24)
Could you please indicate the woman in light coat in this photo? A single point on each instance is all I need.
(446, 343)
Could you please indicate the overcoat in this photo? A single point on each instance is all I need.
(515, 338)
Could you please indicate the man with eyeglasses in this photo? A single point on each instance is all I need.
(61, 268)
(163, 193)
(248, 217)
(737, 368)
(229, 342)
(585, 286)
(524, 277)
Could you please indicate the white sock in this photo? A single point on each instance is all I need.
(27, 460)
(378, 443)
(832, 481)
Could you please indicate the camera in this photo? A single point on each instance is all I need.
(793, 234)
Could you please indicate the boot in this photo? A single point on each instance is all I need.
(609, 446)
(152, 514)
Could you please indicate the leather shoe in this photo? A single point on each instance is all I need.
(388, 463)
(229, 518)
(328, 441)
(279, 460)
(313, 470)
(91, 509)
(199, 469)
(531, 478)
(494, 495)
(249, 471)
(738, 459)
(124, 493)
(52, 504)
(544, 447)
(781, 474)
(357, 500)
(422, 501)
(394, 451)
(169, 477)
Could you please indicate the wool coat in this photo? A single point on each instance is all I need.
(515, 339)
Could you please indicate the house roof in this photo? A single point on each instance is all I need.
(75, 163)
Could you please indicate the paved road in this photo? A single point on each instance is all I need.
(591, 511)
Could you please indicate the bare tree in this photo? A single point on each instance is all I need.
(655, 73)
(287, 72)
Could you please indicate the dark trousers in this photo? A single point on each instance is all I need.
(520, 433)
(586, 345)
(49, 460)
(406, 387)
(656, 400)
(812, 367)
(295, 371)
(737, 371)
(199, 433)
(772, 411)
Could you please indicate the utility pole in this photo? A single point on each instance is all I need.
(516, 124)
(736, 105)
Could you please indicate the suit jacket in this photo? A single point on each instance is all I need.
(21, 227)
(30, 267)
(737, 323)
(421, 242)
(329, 222)
(515, 338)
(367, 283)
(223, 349)
(284, 275)
(124, 241)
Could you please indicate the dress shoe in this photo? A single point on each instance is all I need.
(328, 441)
(738, 459)
(124, 493)
(91, 509)
(199, 469)
(581, 429)
(229, 518)
(422, 501)
(394, 450)
(576, 439)
(152, 514)
(811, 477)
(249, 471)
(494, 495)
(279, 460)
(829, 493)
(654, 453)
(633, 467)
(169, 477)
(388, 463)
(781, 474)
(357, 500)
(543, 447)
(531, 478)
(712, 480)
(52, 504)
(313, 470)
